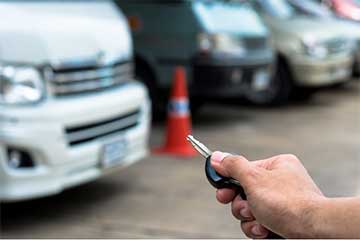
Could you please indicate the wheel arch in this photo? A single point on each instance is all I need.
(282, 60)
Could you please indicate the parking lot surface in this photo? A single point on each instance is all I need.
(166, 196)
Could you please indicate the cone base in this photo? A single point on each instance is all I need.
(176, 151)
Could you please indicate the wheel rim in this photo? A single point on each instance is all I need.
(260, 90)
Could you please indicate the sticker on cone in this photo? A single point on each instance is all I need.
(179, 107)
(178, 121)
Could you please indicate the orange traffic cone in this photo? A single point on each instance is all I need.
(178, 122)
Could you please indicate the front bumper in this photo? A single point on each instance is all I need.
(40, 131)
(311, 72)
(224, 77)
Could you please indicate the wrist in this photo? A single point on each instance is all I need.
(337, 218)
(316, 227)
(310, 221)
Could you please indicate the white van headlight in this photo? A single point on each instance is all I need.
(20, 85)
(221, 43)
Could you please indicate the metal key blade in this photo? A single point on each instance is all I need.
(201, 148)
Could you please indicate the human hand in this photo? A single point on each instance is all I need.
(281, 196)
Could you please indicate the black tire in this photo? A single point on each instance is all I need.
(278, 91)
(303, 94)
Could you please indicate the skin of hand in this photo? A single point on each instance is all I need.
(281, 196)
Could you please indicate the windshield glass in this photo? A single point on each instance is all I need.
(311, 7)
(231, 17)
(279, 8)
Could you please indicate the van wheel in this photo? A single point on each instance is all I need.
(146, 77)
(277, 90)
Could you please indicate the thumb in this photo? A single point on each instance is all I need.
(233, 166)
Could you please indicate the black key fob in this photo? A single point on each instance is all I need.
(218, 181)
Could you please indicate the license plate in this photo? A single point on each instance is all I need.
(113, 153)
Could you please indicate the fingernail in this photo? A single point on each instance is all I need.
(245, 212)
(218, 156)
(258, 230)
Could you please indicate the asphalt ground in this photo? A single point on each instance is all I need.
(166, 197)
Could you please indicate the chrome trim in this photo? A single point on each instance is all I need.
(89, 86)
(98, 59)
(88, 78)
(93, 74)
(103, 129)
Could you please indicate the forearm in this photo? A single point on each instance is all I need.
(336, 218)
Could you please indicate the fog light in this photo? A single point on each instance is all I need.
(19, 159)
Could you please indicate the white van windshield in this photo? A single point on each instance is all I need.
(231, 17)
(81, 8)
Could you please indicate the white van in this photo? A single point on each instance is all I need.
(70, 109)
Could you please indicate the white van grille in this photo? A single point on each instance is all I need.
(87, 79)
(89, 132)
(256, 43)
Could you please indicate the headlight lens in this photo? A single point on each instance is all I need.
(324, 48)
(221, 43)
(317, 51)
(20, 85)
(314, 49)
